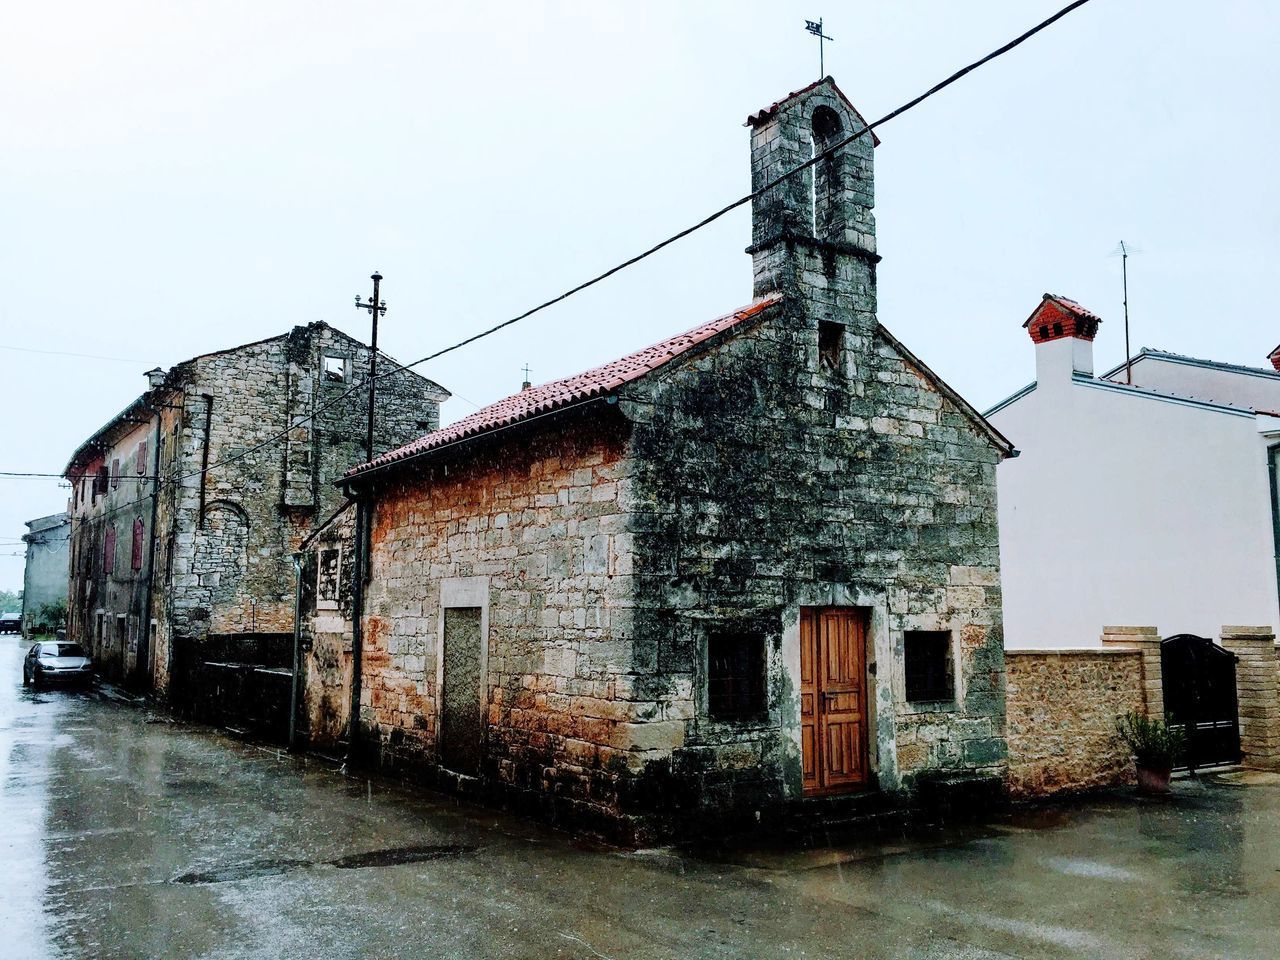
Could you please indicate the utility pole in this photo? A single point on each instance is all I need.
(377, 307)
(815, 27)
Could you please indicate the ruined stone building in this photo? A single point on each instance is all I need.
(752, 564)
(200, 566)
(44, 576)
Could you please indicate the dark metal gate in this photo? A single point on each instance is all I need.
(1200, 699)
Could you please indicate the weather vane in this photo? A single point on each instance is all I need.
(815, 27)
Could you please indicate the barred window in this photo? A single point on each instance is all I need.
(927, 664)
(735, 676)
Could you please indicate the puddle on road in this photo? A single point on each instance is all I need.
(394, 856)
(243, 871)
(398, 855)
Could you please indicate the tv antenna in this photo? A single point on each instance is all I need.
(1123, 251)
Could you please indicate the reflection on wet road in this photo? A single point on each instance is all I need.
(128, 836)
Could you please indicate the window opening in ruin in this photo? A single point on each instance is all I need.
(735, 676)
(830, 344)
(335, 369)
(927, 665)
(327, 578)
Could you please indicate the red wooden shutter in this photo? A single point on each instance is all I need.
(109, 549)
(137, 543)
(141, 465)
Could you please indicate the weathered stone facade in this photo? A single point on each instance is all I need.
(1062, 709)
(325, 627)
(44, 575)
(795, 458)
(233, 502)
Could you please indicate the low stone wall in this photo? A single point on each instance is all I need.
(1062, 707)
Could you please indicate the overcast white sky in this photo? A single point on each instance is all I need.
(177, 178)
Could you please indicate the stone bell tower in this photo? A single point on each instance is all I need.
(814, 235)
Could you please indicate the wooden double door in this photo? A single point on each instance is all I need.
(833, 699)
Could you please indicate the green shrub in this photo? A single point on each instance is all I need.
(1153, 745)
(53, 615)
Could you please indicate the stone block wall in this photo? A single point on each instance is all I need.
(767, 480)
(1061, 708)
(541, 525)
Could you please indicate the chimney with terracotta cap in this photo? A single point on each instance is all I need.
(1063, 333)
(1274, 357)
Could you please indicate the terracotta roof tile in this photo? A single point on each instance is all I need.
(548, 397)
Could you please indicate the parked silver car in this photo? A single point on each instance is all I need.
(56, 661)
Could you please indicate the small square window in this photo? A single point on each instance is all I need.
(927, 664)
(830, 344)
(735, 676)
(335, 369)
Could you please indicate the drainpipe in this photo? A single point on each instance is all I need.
(1273, 452)
(297, 652)
(144, 644)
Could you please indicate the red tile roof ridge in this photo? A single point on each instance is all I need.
(545, 398)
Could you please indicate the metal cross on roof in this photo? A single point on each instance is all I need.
(815, 27)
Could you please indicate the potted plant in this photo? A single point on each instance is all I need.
(1155, 749)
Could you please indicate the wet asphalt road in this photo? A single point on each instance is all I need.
(127, 836)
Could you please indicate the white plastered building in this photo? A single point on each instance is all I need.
(1150, 502)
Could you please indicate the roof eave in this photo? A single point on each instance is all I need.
(145, 402)
(364, 471)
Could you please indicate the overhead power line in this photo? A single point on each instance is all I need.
(67, 353)
(645, 254)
